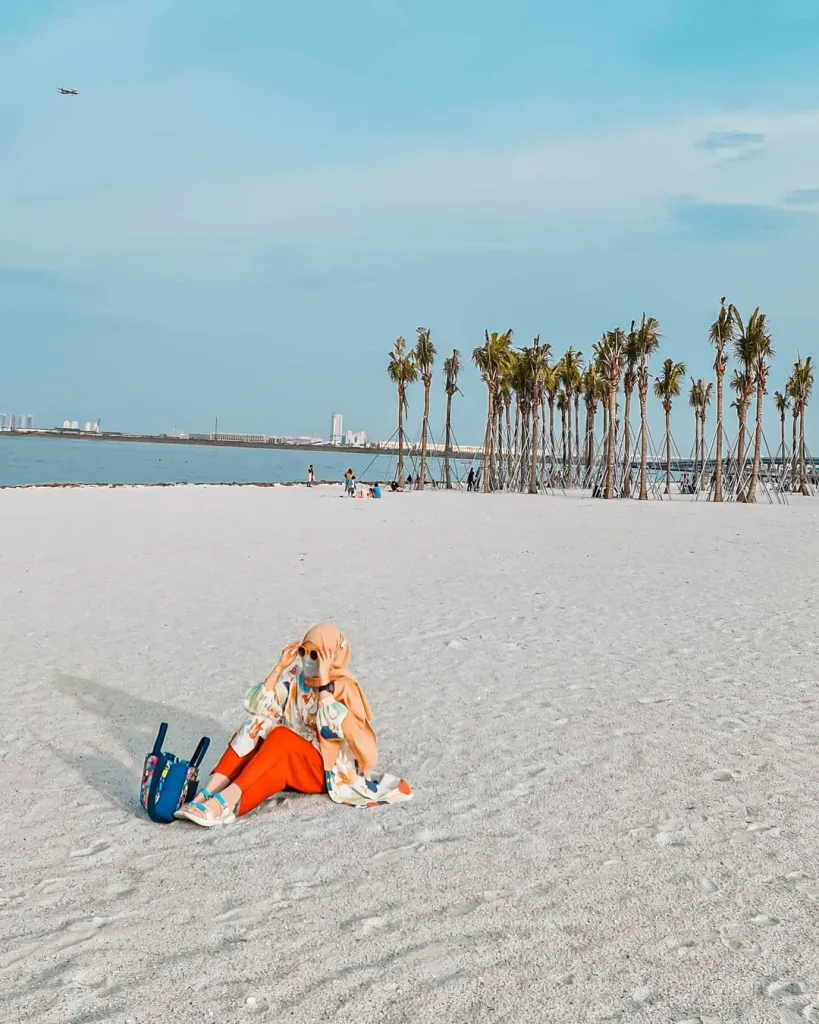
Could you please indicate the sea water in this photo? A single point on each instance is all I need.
(40, 460)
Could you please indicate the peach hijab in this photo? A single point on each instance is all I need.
(333, 651)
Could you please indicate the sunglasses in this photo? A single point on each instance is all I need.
(313, 654)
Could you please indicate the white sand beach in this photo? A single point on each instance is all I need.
(608, 713)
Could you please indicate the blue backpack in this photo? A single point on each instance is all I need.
(168, 782)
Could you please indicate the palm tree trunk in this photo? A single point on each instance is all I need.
(782, 439)
(703, 453)
(612, 445)
(552, 440)
(752, 486)
(516, 448)
(569, 448)
(543, 439)
(422, 476)
(718, 467)
(533, 443)
(400, 437)
(794, 450)
(499, 460)
(643, 447)
(563, 440)
(488, 454)
(577, 430)
(803, 484)
(448, 441)
(696, 440)
(510, 461)
(742, 413)
(668, 449)
(523, 456)
(627, 444)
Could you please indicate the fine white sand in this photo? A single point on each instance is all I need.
(608, 712)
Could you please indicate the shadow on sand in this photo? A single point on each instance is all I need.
(130, 722)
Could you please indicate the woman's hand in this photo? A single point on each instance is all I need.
(287, 657)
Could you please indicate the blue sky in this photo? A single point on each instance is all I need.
(249, 200)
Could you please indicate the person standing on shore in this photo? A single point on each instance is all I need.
(310, 475)
(470, 479)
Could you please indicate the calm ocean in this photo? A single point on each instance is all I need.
(43, 460)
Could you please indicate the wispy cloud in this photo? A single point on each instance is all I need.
(716, 141)
(802, 197)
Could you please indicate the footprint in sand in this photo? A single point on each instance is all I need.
(721, 775)
(682, 947)
(733, 724)
(765, 921)
(397, 853)
(739, 943)
(364, 926)
(670, 833)
(97, 847)
(708, 886)
(783, 988)
(465, 908)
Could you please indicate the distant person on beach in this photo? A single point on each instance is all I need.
(394, 486)
(310, 475)
(375, 490)
(409, 482)
(309, 731)
(349, 482)
(470, 479)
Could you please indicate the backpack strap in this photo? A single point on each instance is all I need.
(154, 787)
(160, 739)
(199, 753)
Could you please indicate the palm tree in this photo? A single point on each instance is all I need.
(782, 403)
(803, 381)
(505, 389)
(667, 388)
(562, 403)
(537, 363)
(452, 368)
(752, 348)
(595, 390)
(695, 400)
(631, 360)
(611, 352)
(403, 371)
(571, 368)
(699, 398)
(491, 360)
(756, 341)
(742, 382)
(792, 390)
(707, 392)
(425, 358)
(551, 384)
(647, 342)
(721, 335)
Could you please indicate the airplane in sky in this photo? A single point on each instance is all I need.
(67, 92)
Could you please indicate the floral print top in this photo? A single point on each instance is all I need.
(294, 705)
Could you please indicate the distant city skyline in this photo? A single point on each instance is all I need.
(241, 210)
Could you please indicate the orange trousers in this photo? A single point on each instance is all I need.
(282, 761)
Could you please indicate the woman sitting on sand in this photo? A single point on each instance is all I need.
(310, 731)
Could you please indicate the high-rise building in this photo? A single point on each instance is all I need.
(3, 421)
(337, 429)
